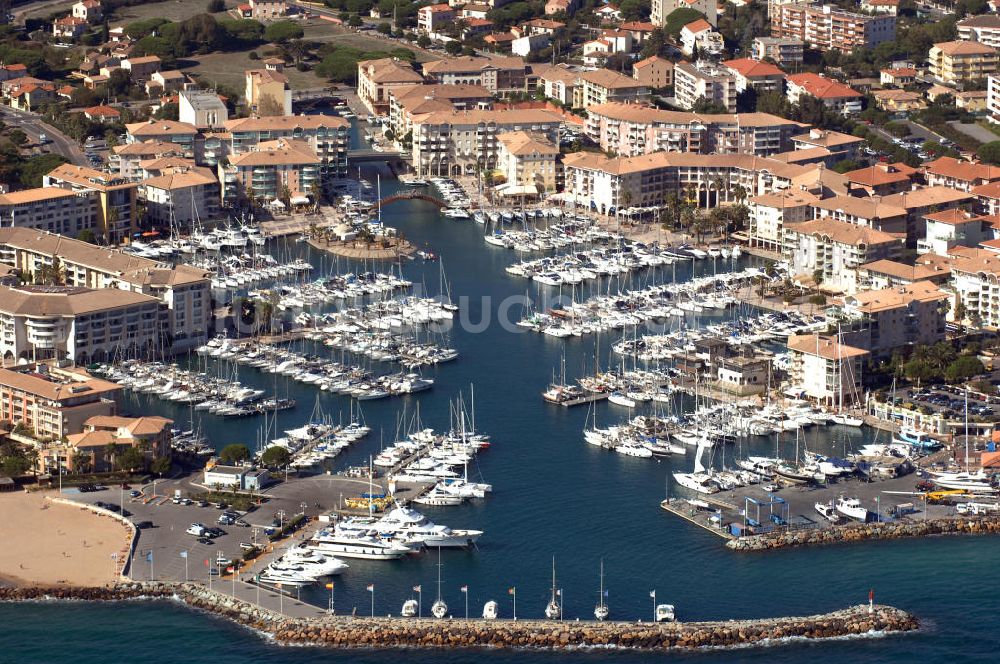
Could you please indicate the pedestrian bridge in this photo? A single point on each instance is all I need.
(412, 195)
(359, 155)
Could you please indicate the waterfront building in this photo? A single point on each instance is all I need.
(243, 478)
(407, 101)
(606, 184)
(185, 290)
(888, 320)
(103, 437)
(828, 252)
(115, 196)
(769, 213)
(958, 62)
(825, 370)
(976, 283)
(269, 171)
(528, 162)
(51, 401)
(127, 159)
(180, 195)
(464, 142)
(378, 78)
(826, 27)
(862, 211)
(328, 136)
(631, 129)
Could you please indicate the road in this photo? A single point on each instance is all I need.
(22, 10)
(31, 124)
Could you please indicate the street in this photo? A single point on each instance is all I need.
(31, 124)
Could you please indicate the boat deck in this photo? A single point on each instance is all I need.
(590, 397)
(691, 514)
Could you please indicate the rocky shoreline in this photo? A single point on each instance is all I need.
(358, 632)
(859, 532)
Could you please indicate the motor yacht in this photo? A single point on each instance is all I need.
(358, 546)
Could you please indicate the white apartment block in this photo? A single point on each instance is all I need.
(834, 250)
(693, 82)
(825, 370)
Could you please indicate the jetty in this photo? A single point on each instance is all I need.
(333, 631)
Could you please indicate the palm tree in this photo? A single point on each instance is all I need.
(110, 450)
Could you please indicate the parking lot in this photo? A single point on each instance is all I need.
(950, 401)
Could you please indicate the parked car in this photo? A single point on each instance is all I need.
(196, 529)
(141, 525)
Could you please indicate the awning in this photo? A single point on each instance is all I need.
(276, 203)
(300, 200)
(517, 190)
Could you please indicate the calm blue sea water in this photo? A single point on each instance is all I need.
(554, 495)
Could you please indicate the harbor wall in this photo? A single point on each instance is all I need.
(859, 532)
(363, 632)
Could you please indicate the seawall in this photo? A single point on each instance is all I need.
(858, 532)
(363, 632)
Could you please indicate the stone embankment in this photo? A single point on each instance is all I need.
(858, 532)
(358, 632)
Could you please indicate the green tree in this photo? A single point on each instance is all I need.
(268, 106)
(131, 458)
(160, 465)
(17, 137)
(989, 152)
(678, 18)
(234, 453)
(918, 370)
(282, 31)
(453, 47)
(423, 41)
(384, 28)
(87, 235)
(215, 6)
(276, 457)
(963, 368)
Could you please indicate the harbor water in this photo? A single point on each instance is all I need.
(554, 495)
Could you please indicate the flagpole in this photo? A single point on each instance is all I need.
(420, 601)
(514, 594)
(373, 600)
(467, 602)
(653, 595)
(185, 566)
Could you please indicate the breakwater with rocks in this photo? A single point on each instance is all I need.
(364, 632)
(858, 532)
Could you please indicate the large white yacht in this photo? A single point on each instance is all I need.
(366, 547)
(412, 527)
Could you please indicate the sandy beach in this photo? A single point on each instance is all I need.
(47, 544)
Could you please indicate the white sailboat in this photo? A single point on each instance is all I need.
(601, 610)
(552, 609)
(439, 609)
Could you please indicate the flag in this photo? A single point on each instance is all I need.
(559, 592)
(207, 564)
(605, 593)
(871, 595)
(371, 587)
(652, 593)
(329, 586)
(184, 554)
(511, 591)
(464, 589)
(149, 556)
(416, 589)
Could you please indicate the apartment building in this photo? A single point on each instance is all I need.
(181, 134)
(127, 159)
(271, 172)
(882, 274)
(606, 184)
(115, 218)
(202, 109)
(953, 228)
(825, 370)
(918, 203)
(956, 62)
(785, 51)
(50, 209)
(975, 280)
(630, 129)
(993, 99)
(185, 290)
(180, 195)
(378, 78)
(103, 437)
(841, 146)
(887, 320)
(462, 142)
(959, 174)
(654, 72)
(984, 29)
(826, 27)
(860, 211)
(407, 101)
(704, 81)
(880, 179)
(528, 162)
(499, 75)
(834, 250)
(53, 402)
(603, 85)
(269, 83)
(434, 18)
(661, 9)
(760, 76)
(769, 213)
(699, 38)
(562, 83)
(328, 136)
(836, 96)
(71, 322)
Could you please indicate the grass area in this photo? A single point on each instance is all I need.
(986, 124)
(172, 10)
(324, 31)
(227, 69)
